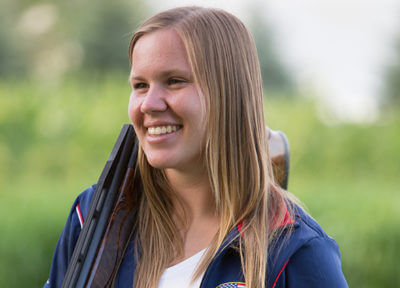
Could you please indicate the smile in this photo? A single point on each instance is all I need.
(163, 129)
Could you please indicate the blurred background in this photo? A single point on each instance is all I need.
(331, 73)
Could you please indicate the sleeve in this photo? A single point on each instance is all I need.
(68, 238)
(316, 264)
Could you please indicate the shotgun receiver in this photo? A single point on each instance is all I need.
(109, 225)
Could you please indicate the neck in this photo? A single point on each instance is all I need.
(194, 193)
(194, 209)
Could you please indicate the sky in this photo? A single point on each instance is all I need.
(336, 50)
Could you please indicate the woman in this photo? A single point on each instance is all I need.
(210, 214)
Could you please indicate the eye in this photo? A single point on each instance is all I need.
(176, 81)
(140, 85)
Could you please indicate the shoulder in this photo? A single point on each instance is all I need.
(307, 257)
(69, 236)
(80, 209)
(82, 202)
(77, 214)
(306, 228)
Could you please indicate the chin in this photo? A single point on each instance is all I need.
(159, 163)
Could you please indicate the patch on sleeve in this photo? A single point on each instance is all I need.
(232, 285)
(79, 214)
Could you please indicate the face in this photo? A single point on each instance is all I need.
(164, 105)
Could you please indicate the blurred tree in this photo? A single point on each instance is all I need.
(104, 31)
(11, 58)
(391, 91)
(275, 76)
(47, 39)
(5, 49)
(392, 85)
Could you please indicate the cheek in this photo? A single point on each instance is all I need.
(134, 109)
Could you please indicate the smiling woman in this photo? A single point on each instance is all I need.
(210, 213)
(165, 106)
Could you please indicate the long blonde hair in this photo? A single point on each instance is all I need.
(223, 57)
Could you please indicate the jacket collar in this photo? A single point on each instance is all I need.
(233, 236)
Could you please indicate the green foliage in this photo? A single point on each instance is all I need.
(347, 176)
(46, 39)
(104, 31)
(345, 150)
(55, 139)
(11, 56)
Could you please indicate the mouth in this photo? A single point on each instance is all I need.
(161, 130)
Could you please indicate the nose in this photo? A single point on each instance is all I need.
(154, 101)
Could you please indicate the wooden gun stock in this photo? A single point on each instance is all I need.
(280, 156)
(109, 226)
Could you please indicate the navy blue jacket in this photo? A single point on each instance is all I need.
(308, 258)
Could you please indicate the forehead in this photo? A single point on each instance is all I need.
(162, 49)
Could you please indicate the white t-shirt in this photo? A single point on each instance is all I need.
(179, 275)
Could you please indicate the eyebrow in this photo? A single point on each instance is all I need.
(165, 74)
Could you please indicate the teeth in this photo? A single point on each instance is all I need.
(162, 129)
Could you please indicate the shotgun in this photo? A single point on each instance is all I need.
(112, 206)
